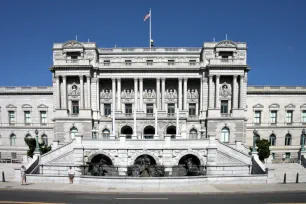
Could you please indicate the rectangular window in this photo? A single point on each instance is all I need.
(304, 116)
(192, 109)
(288, 156)
(170, 62)
(257, 117)
(43, 117)
(128, 62)
(273, 117)
(75, 107)
(289, 115)
(171, 109)
(27, 117)
(273, 155)
(224, 106)
(12, 118)
(150, 109)
(128, 109)
(107, 109)
(192, 62)
(106, 62)
(149, 62)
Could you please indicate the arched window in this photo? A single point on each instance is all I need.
(171, 130)
(225, 135)
(13, 140)
(105, 134)
(193, 134)
(272, 140)
(73, 132)
(288, 140)
(44, 139)
(127, 131)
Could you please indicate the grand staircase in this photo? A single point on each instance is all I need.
(291, 169)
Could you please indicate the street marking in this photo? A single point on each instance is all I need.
(21, 202)
(141, 198)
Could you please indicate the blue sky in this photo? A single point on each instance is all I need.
(275, 31)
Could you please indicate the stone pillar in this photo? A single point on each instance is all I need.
(234, 92)
(119, 94)
(201, 94)
(134, 136)
(241, 93)
(210, 100)
(217, 101)
(156, 125)
(113, 136)
(136, 93)
(64, 92)
(98, 96)
(141, 94)
(177, 123)
(158, 93)
(163, 94)
(82, 92)
(58, 94)
(89, 92)
(185, 94)
(179, 93)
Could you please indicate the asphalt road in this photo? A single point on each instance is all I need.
(43, 197)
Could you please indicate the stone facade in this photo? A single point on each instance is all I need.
(165, 100)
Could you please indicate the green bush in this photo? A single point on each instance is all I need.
(31, 142)
(263, 149)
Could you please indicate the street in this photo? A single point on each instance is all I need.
(43, 197)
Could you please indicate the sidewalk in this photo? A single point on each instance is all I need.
(200, 189)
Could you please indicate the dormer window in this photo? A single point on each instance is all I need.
(192, 62)
(149, 62)
(226, 55)
(73, 55)
(106, 62)
(128, 62)
(170, 62)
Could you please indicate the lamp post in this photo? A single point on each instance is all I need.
(37, 145)
(255, 133)
(303, 140)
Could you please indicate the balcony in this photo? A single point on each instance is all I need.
(26, 125)
(224, 62)
(226, 115)
(151, 64)
(151, 116)
(71, 62)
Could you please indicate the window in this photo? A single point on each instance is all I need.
(105, 134)
(171, 109)
(75, 107)
(289, 115)
(288, 140)
(273, 155)
(150, 109)
(73, 132)
(107, 109)
(225, 55)
(193, 134)
(13, 140)
(106, 62)
(128, 62)
(12, 118)
(73, 56)
(149, 62)
(301, 141)
(94, 135)
(225, 135)
(257, 117)
(288, 155)
(224, 106)
(304, 116)
(27, 117)
(128, 109)
(273, 117)
(272, 140)
(192, 109)
(170, 62)
(44, 139)
(43, 117)
(192, 62)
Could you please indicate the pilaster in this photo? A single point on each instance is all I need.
(180, 93)
(81, 92)
(185, 94)
(64, 93)
(89, 92)
(141, 94)
(118, 94)
(158, 93)
(163, 93)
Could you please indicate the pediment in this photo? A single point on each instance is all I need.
(274, 105)
(42, 106)
(26, 106)
(303, 106)
(290, 106)
(258, 106)
(226, 43)
(72, 44)
(11, 106)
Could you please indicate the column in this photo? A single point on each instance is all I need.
(210, 100)
(119, 94)
(114, 94)
(136, 92)
(234, 92)
(185, 94)
(163, 94)
(158, 93)
(89, 92)
(141, 94)
(201, 94)
(156, 125)
(98, 95)
(241, 92)
(65, 92)
(180, 93)
(58, 95)
(82, 92)
(177, 122)
(217, 101)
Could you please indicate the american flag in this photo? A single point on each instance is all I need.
(146, 17)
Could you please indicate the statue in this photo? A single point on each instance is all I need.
(171, 93)
(74, 90)
(192, 93)
(149, 93)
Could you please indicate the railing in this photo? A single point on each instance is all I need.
(71, 62)
(147, 115)
(278, 124)
(26, 124)
(227, 62)
(152, 64)
(157, 49)
(226, 115)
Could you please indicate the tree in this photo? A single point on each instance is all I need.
(263, 149)
(31, 142)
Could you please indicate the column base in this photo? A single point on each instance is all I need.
(112, 137)
(178, 136)
(134, 137)
(156, 137)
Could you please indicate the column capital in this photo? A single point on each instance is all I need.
(157, 78)
(113, 79)
(235, 76)
(210, 76)
(241, 76)
(135, 78)
(185, 78)
(140, 78)
(163, 78)
(180, 78)
(119, 78)
(88, 76)
(81, 77)
(217, 76)
(64, 76)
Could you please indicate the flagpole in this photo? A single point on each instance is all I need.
(150, 29)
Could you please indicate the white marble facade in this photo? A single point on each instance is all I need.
(108, 93)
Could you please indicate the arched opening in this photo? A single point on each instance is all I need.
(288, 139)
(44, 139)
(127, 131)
(171, 130)
(225, 135)
(105, 134)
(193, 134)
(272, 140)
(148, 132)
(101, 165)
(191, 164)
(145, 159)
(145, 166)
(73, 132)
(13, 140)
